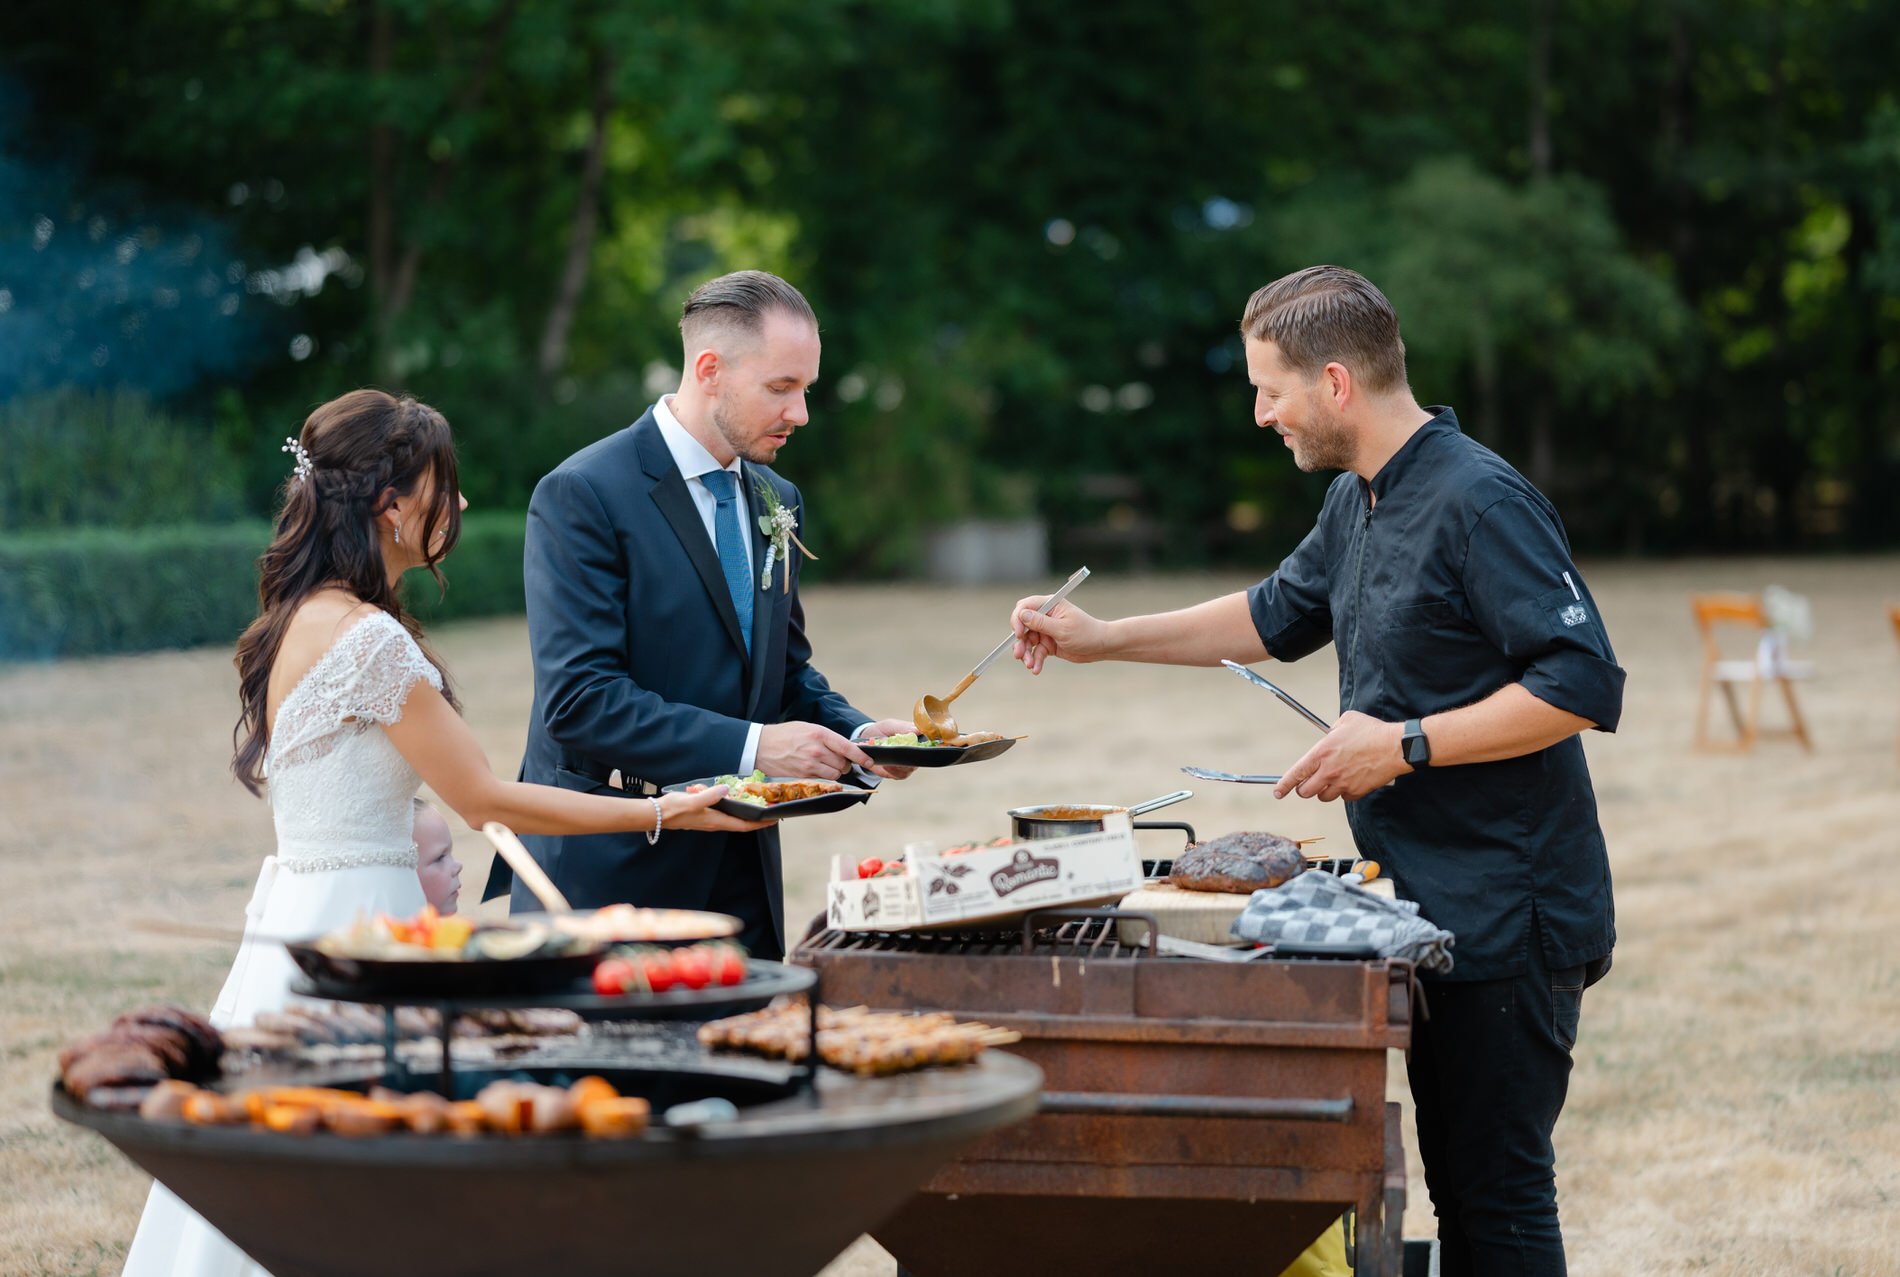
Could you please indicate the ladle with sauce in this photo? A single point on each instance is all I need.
(932, 716)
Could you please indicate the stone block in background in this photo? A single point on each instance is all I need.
(979, 551)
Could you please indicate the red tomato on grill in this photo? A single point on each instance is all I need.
(728, 967)
(693, 967)
(658, 969)
(613, 976)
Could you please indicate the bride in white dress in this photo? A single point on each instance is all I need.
(359, 715)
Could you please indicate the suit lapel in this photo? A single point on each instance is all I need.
(676, 504)
(765, 601)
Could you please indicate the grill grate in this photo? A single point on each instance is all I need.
(1094, 938)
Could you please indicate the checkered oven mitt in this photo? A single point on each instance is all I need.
(1316, 908)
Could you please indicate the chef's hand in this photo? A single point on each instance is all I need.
(1067, 632)
(888, 727)
(806, 750)
(1359, 755)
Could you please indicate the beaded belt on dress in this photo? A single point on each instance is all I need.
(327, 860)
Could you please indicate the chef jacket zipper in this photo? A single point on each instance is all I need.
(1358, 608)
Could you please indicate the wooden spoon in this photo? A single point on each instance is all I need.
(932, 716)
(519, 859)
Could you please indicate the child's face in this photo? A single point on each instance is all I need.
(437, 867)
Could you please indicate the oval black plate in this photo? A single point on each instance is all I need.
(354, 979)
(936, 755)
(817, 806)
(763, 982)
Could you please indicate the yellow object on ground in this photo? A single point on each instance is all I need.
(1326, 1257)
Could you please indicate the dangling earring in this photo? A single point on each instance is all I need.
(397, 533)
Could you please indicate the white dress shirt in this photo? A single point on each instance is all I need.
(694, 463)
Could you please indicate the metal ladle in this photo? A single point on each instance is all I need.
(932, 716)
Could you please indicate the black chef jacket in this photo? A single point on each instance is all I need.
(1455, 583)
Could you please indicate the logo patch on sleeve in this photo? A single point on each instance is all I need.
(1573, 614)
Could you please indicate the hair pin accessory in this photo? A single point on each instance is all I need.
(302, 455)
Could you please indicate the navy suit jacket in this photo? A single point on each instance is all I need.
(639, 667)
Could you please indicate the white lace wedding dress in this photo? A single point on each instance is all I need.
(340, 800)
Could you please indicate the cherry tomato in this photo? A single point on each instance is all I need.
(613, 976)
(658, 969)
(728, 967)
(868, 867)
(693, 967)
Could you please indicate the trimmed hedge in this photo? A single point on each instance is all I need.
(90, 591)
(484, 572)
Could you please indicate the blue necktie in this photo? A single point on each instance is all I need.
(730, 540)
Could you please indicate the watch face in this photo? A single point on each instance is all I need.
(1417, 750)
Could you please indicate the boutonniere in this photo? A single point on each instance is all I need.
(780, 525)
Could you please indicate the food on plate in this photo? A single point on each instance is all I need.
(509, 1108)
(624, 922)
(1367, 870)
(165, 1102)
(616, 1118)
(868, 1043)
(1240, 862)
(911, 740)
(756, 789)
(116, 1068)
(208, 1108)
(645, 969)
(432, 937)
(906, 740)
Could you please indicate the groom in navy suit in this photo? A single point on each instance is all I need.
(660, 654)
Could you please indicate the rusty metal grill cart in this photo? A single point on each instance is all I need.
(1217, 1115)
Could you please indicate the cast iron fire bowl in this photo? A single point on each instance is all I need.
(780, 1190)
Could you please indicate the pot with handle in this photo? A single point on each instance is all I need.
(1065, 820)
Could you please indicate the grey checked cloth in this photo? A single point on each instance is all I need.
(1319, 908)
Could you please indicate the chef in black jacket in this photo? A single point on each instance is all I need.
(1471, 658)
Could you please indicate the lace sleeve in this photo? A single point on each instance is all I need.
(386, 664)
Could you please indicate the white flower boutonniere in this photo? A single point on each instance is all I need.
(779, 523)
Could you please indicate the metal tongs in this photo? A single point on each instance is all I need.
(1286, 700)
(1208, 773)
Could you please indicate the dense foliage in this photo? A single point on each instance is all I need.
(90, 591)
(1651, 251)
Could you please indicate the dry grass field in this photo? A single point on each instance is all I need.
(1735, 1105)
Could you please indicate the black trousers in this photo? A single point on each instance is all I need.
(740, 891)
(1489, 1072)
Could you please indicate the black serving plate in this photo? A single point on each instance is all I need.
(361, 979)
(846, 797)
(763, 982)
(936, 755)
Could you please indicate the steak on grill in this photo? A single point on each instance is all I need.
(1243, 862)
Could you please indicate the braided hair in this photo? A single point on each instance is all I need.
(364, 449)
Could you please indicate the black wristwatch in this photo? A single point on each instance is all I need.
(1413, 745)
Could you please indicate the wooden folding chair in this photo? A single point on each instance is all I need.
(1768, 664)
(1893, 614)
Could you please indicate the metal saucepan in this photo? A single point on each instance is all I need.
(1064, 820)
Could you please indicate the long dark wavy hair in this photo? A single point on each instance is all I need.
(366, 449)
